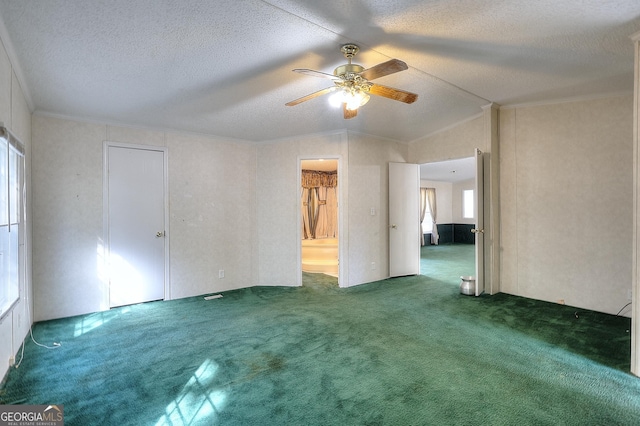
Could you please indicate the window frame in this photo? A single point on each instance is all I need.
(468, 204)
(12, 203)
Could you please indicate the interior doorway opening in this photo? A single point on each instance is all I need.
(319, 224)
(453, 182)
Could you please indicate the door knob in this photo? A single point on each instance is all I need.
(159, 234)
(394, 226)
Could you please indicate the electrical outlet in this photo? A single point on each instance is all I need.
(12, 361)
(373, 266)
(221, 273)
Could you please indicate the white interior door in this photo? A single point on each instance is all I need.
(478, 213)
(404, 219)
(135, 224)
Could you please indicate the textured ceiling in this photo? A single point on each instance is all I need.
(224, 67)
(457, 170)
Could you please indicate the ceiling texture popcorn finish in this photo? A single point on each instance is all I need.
(224, 68)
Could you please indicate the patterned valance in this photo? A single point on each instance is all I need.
(314, 179)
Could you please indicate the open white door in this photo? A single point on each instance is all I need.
(404, 219)
(478, 213)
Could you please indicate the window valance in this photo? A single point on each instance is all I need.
(316, 179)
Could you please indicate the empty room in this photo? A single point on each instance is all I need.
(214, 212)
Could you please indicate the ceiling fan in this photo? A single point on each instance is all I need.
(352, 83)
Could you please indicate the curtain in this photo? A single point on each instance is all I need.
(423, 210)
(332, 212)
(319, 201)
(304, 203)
(431, 199)
(320, 230)
(312, 206)
(313, 179)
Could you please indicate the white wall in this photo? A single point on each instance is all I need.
(363, 182)
(566, 202)
(67, 219)
(212, 213)
(278, 201)
(369, 159)
(452, 143)
(15, 114)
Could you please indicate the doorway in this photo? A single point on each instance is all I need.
(454, 182)
(319, 222)
(135, 223)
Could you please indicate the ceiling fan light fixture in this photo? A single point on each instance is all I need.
(352, 98)
(355, 99)
(352, 85)
(336, 99)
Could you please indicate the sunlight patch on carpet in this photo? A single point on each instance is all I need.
(90, 322)
(197, 401)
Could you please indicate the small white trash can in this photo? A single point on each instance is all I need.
(468, 285)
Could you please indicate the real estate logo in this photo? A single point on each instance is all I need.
(31, 415)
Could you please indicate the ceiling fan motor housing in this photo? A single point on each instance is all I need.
(345, 69)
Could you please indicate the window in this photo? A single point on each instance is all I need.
(427, 223)
(12, 224)
(467, 203)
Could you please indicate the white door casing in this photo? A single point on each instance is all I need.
(478, 213)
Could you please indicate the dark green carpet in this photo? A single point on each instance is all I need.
(448, 262)
(319, 280)
(405, 351)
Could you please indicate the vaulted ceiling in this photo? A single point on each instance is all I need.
(224, 67)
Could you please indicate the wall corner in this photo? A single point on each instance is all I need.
(635, 279)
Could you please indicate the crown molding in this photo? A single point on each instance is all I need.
(568, 100)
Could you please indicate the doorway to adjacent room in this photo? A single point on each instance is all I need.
(319, 221)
